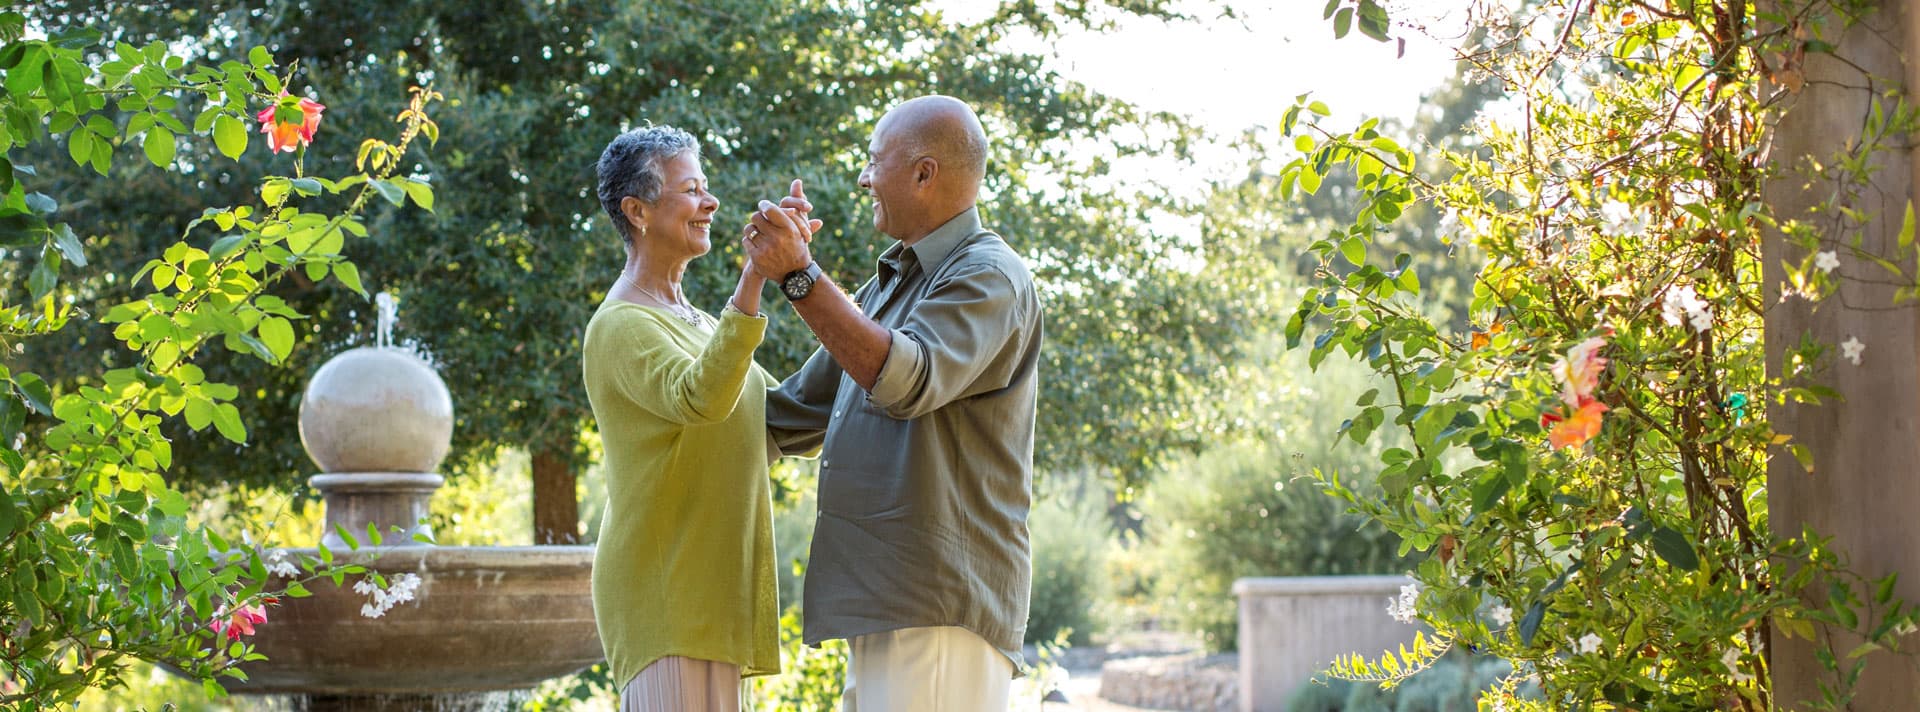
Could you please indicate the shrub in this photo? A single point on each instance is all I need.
(1453, 684)
(1071, 541)
(1249, 511)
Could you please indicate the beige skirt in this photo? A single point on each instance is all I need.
(677, 684)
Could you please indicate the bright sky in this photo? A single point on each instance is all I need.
(1233, 74)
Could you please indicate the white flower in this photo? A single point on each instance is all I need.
(1617, 219)
(1402, 609)
(1682, 305)
(1851, 349)
(278, 565)
(1589, 643)
(403, 587)
(1826, 261)
(1501, 615)
(1731, 659)
(399, 590)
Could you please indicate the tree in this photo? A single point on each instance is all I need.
(103, 566)
(1589, 467)
(498, 281)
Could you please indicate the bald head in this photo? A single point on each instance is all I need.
(924, 166)
(947, 130)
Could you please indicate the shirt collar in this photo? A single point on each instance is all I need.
(934, 249)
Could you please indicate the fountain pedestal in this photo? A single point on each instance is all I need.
(385, 501)
(485, 623)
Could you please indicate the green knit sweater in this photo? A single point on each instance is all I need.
(685, 559)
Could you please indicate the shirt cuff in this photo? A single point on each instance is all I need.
(731, 309)
(901, 375)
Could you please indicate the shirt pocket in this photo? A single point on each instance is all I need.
(861, 493)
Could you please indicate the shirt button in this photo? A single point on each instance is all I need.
(836, 414)
(826, 463)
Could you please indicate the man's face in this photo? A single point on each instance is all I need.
(889, 181)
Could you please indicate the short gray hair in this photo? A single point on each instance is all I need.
(630, 166)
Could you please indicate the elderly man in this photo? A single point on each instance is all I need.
(921, 399)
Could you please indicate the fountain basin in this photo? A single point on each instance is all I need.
(483, 618)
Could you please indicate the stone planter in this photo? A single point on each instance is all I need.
(1292, 627)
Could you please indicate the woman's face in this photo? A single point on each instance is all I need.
(681, 219)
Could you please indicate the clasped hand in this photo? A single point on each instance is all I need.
(777, 235)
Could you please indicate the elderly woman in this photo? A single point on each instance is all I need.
(683, 579)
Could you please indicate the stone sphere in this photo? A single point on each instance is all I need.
(376, 409)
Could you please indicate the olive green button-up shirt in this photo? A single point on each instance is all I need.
(925, 483)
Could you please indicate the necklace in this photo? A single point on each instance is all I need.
(678, 307)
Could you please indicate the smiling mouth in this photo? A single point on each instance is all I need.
(702, 224)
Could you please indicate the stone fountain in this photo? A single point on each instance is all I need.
(485, 623)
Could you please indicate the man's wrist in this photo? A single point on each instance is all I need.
(798, 284)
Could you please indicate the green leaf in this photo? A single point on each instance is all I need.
(1530, 623)
(420, 192)
(80, 146)
(230, 135)
(24, 78)
(1673, 547)
(38, 394)
(165, 354)
(226, 419)
(45, 274)
(159, 146)
(1906, 226)
(350, 275)
(1488, 491)
(277, 334)
(13, 416)
(225, 246)
(9, 516)
(275, 190)
(306, 186)
(1373, 20)
(393, 193)
(259, 57)
(199, 413)
(1319, 107)
(1342, 22)
(1802, 454)
(171, 503)
(69, 245)
(1355, 250)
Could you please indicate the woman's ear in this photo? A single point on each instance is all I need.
(636, 211)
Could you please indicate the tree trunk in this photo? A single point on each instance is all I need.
(556, 501)
(1865, 482)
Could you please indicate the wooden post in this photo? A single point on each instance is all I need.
(1864, 490)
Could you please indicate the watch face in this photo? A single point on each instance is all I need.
(797, 285)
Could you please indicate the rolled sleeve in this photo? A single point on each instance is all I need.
(962, 338)
(903, 374)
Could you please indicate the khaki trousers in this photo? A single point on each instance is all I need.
(677, 684)
(945, 669)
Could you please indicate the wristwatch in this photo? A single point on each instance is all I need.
(799, 283)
